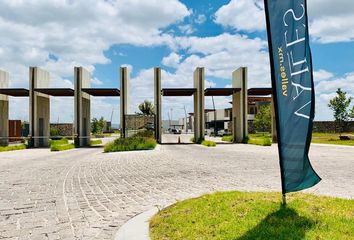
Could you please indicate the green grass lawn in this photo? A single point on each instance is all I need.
(95, 142)
(324, 138)
(260, 139)
(61, 147)
(13, 147)
(208, 143)
(331, 138)
(238, 215)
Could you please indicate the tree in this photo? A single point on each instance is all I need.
(97, 125)
(263, 119)
(340, 107)
(146, 108)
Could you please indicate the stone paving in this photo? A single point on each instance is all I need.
(86, 194)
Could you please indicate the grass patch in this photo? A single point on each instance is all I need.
(95, 142)
(62, 141)
(248, 216)
(13, 148)
(262, 139)
(208, 143)
(133, 143)
(61, 147)
(227, 138)
(331, 138)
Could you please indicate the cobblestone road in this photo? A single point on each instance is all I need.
(85, 194)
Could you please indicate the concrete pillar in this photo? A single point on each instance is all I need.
(157, 92)
(274, 126)
(4, 110)
(199, 113)
(39, 108)
(82, 107)
(124, 99)
(240, 105)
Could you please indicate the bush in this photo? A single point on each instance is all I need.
(145, 134)
(95, 142)
(54, 131)
(227, 138)
(134, 143)
(208, 143)
(62, 141)
(267, 141)
(13, 148)
(61, 147)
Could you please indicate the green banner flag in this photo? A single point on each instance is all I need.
(293, 90)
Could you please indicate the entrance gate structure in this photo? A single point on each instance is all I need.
(39, 105)
(39, 94)
(238, 92)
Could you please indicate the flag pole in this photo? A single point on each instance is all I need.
(284, 200)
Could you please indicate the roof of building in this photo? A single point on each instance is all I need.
(260, 91)
(56, 92)
(221, 91)
(102, 92)
(15, 92)
(176, 92)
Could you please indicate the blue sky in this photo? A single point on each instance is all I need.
(175, 35)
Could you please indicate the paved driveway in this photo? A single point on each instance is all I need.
(86, 194)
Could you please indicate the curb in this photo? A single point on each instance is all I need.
(136, 228)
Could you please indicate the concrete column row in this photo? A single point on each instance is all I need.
(39, 107)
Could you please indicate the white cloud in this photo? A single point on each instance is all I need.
(321, 75)
(326, 89)
(331, 21)
(171, 60)
(186, 29)
(245, 15)
(77, 33)
(96, 81)
(222, 54)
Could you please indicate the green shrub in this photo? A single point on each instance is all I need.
(130, 144)
(227, 138)
(62, 141)
(145, 134)
(13, 148)
(208, 143)
(267, 141)
(192, 139)
(61, 147)
(95, 142)
(54, 131)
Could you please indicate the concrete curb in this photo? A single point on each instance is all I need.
(136, 228)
